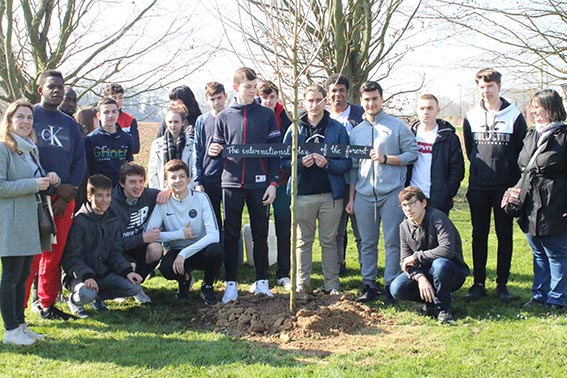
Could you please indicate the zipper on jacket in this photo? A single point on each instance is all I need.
(374, 177)
(244, 159)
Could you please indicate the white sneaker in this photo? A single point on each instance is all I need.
(253, 288)
(285, 282)
(142, 297)
(31, 334)
(262, 288)
(230, 293)
(17, 337)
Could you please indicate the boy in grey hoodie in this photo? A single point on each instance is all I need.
(375, 185)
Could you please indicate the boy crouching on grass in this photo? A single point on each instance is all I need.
(190, 233)
(93, 261)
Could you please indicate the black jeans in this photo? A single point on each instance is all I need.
(138, 256)
(481, 204)
(233, 201)
(15, 272)
(282, 218)
(208, 259)
(214, 191)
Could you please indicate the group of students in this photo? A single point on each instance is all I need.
(117, 236)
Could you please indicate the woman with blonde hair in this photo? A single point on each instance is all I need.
(21, 180)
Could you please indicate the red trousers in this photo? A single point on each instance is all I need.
(48, 264)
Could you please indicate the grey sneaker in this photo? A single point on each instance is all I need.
(31, 334)
(445, 317)
(142, 297)
(285, 282)
(77, 310)
(17, 336)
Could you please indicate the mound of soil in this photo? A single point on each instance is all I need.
(319, 316)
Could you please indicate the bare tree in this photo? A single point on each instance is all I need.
(92, 42)
(284, 29)
(359, 38)
(528, 36)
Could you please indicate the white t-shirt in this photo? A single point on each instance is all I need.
(421, 173)
(343, 118)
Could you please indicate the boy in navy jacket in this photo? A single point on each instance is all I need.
(108, 147)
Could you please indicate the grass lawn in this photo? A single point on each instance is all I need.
(488, 339)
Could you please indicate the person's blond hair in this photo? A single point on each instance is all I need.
(6, 128)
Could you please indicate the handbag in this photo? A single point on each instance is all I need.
(45, 218)
(515, 209)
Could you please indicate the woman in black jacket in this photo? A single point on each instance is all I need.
(544, 216)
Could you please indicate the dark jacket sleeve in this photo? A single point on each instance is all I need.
(340, 165)
(73, 262)
(199, 149)
(467, 137)
(274, 136)
(520, 130)
(446, 241)
(89, 155)
(116, 260)
(135, 137)
(79, 164)
(129, 154)
(456, 172)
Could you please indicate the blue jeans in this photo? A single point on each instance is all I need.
(110, 286)
(444, 275)
(550, 268)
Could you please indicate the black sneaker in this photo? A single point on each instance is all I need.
(476, 292)
(99, 305)
(445, 317)
(428, 309)
(533, 303)
(184, 288)
(554, 307)
(208, 295)
(504, 295)
(387, 298)
(53, 313)
(368, 294)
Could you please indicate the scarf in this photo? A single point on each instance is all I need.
(545, 131)
(173, 148)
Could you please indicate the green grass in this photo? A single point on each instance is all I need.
(488, 339)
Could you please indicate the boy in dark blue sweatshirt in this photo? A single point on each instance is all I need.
(250, 180)
(108, 147)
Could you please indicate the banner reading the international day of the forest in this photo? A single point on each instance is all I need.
(278, 150)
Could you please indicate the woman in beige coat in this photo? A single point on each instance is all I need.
(21, 179)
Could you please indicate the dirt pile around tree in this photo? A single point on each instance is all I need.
(319, 317)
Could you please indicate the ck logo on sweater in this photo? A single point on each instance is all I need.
(50, 135)
(192, 213)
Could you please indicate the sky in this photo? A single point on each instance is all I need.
(448, 65)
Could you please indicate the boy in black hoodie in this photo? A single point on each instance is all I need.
(93, 261)
(493, 131)
(250, 180)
